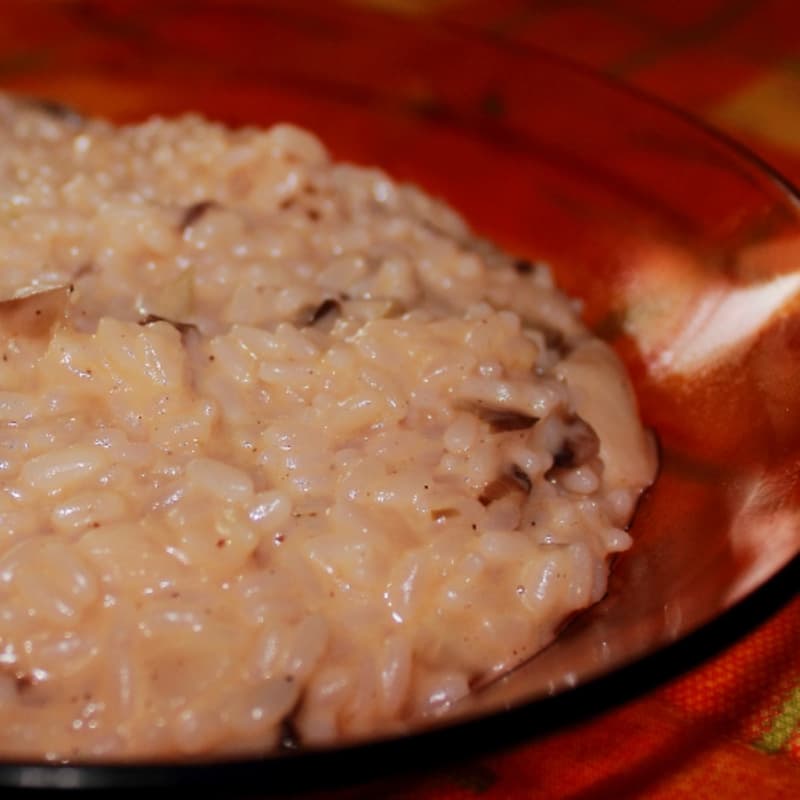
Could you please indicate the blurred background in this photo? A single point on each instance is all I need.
(734, 63)
(730, 728)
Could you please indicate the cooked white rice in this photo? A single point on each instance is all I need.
(287, 456)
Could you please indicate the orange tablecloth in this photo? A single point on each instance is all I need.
(730, 728)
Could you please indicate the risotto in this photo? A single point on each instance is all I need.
(288, 456)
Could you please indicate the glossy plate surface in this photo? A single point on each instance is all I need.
(683, 248)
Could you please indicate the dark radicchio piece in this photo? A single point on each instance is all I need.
(181, 327)
(326, 310)
(579, 446)
(194, 213)
(501, 420)
(515, 480)
(54, 109)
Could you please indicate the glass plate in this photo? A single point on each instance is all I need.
(681, 245)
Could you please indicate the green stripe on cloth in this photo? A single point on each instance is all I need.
(783, 726)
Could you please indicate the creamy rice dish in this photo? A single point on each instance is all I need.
(288, 456)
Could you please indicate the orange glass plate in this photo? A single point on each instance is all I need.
(683, 248)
